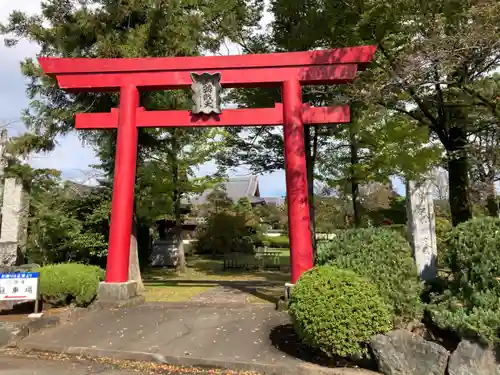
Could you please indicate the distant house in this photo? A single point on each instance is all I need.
(241, 187)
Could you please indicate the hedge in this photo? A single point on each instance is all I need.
(469, 306)
(385, 257)
(67, 283)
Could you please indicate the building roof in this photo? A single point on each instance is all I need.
(235, 188)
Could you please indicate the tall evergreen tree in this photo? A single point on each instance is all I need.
(127, 28)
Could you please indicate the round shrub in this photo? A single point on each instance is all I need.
(66, 283)
(470, 305)
(383, 256)
(337, 311)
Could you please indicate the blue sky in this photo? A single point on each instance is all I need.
(70, 156)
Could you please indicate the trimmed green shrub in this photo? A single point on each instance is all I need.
(473, 254)
(66, 283)
(278, 242)
(398, 228)
(470, 304)
(383, 256)
(443, 232)
(338, 312)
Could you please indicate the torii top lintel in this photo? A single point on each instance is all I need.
(311, 67)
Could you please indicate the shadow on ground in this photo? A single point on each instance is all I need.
(284, 338)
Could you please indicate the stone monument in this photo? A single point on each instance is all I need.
(14, 214)
(421, 226)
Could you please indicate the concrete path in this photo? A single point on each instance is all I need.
(240, 337)
(33, 366)
(222, 294)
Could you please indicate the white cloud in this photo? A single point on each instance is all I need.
(70, 156)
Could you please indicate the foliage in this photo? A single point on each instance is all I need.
(398, 228)
(229, 227)
(67, 283)
(469, 306)
(338, 312)
(430, 57)
(66, 224)
(377, 145)
(331, 213)
(384, 257)
(224, 233)
(443, 231)
(278, 242)
(272, 216)
(473, 255)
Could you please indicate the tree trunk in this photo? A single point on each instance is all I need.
(181, 263)
(354, 149)
(460, 204)
(134, 270)
(310, 151)
(491, 200)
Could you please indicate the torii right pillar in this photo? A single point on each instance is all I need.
(301, 252)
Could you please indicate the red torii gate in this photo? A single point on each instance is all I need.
(287, 70)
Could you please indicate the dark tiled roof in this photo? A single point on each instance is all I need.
(236, 188)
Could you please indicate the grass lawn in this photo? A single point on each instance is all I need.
(202, 274)
(161, 292)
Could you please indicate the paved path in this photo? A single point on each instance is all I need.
(32, 366)
(198, 331)
(238, 292)
(222, 294)
(236, 336)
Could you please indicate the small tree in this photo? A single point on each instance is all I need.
(230, 227)
(225, 233)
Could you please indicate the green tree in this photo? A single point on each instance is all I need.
(274, 217)
(429, 55)
(66, 224)
(230, 227)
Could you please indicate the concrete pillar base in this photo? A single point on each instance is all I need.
(118, 294)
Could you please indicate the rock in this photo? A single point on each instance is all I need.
(11, 332)
(403, 353)
(472, 359)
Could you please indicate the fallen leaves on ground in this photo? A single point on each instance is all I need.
(149, 368)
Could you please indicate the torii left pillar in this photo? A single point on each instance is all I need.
(118, 287)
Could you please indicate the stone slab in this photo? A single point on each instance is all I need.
(235, 336)
(117, 292)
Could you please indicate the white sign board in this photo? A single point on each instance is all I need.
(21, 286)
